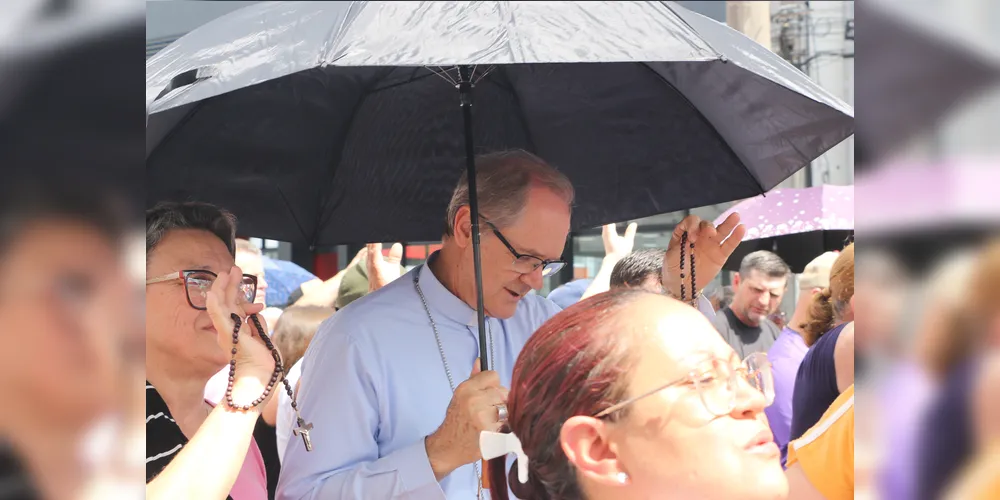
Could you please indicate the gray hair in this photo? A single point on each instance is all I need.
(766, 262)
(503, 180)
(633, 270)
(244, 245)
(170, 216)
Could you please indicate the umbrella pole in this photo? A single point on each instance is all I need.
(465, 98)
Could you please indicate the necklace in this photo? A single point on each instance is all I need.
(444, 361)
(303, 426)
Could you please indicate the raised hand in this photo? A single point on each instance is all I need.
(617, 247)
(383, 270)
(712, 247)
(254, 361)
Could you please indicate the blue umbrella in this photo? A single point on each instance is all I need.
(283, 278)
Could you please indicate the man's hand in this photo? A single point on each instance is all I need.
(471, 411)
(617, 247)
(711, 250)
(383, 270)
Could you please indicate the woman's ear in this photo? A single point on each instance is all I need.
(588, 446)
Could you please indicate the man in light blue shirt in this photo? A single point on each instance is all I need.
(386, 381)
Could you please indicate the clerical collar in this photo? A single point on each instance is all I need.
(442, 301)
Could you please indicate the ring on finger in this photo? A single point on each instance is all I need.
(502, 413)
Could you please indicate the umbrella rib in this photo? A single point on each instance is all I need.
(443, 76)
(295, 219)
(173, 131)
(715, 131)
(324, 210)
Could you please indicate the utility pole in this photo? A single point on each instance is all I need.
(753, 19)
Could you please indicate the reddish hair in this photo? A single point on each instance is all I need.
(573, 365)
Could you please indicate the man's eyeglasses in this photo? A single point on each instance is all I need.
(717, 383)
(524, 263)
(197, 283)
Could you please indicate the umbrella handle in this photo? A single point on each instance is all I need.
(486, 474)
(465, 99)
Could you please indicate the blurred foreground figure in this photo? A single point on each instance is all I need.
(641, 357)
(964, 419)
(64, 293)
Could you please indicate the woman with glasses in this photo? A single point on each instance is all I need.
(630, 394)
(195, 450)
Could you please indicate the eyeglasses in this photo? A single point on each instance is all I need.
(198, 282)
(524, 263)
(717, 383)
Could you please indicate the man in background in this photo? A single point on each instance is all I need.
(639, 269)
(788, 350)
(759, 288)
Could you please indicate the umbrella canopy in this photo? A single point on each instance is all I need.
(283, 278)
(337, 122)
(796, 224)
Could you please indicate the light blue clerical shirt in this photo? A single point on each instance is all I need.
(374, 387)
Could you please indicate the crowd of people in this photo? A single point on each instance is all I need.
(638, 388)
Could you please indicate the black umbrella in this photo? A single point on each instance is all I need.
(336, 122)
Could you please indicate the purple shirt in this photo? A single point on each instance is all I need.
(785, 356)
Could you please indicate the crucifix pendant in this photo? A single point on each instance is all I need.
(303, 430)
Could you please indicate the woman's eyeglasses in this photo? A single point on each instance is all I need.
(197, 283)
(717, 383)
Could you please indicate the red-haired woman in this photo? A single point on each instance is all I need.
(630, 394)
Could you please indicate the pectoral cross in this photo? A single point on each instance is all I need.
(303, 430)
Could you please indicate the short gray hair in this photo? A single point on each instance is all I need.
(170, 216)
(766, 262)
(502, 182)
(633, 270)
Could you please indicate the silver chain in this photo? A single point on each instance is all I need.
(444, 361)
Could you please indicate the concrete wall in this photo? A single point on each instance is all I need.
(836, 74)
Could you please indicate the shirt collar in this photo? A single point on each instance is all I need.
(441, 300)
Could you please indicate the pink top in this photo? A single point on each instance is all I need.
(251, 483)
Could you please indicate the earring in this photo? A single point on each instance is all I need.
(622, 478)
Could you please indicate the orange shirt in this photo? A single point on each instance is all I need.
(826, 451)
